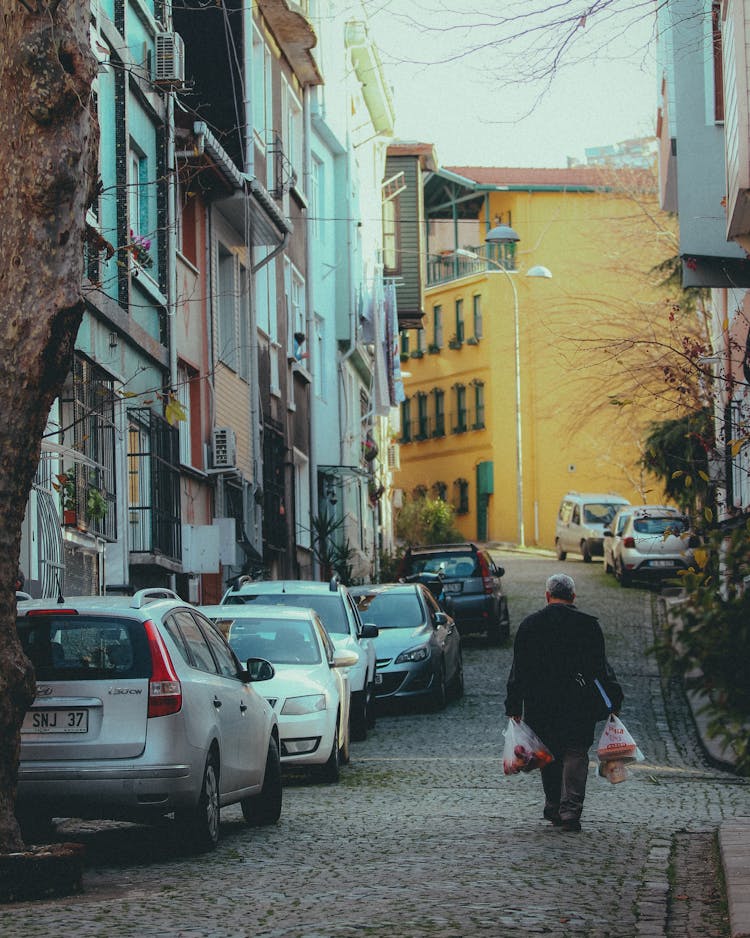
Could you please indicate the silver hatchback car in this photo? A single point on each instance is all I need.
(653, 543)
(141, 710)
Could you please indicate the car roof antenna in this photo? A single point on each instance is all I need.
(60, 597)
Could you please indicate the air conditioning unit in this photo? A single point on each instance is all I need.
(169, 68)
(394, 457)
(223, 448)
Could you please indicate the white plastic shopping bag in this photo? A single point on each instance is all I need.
(523, 750)
(615, 750)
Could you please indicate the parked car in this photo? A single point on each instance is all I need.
(310, 691)
(142, 709)
(472, 590)
(339, 615)
(654, 543)
(611, 534)
(581, 520)
(418, 645)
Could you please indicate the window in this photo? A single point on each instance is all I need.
(459, 320)
(478, 405)
(460, 424)
(294, 288)
(262, 90)
(138, 191)
(321, 374)
(461, 490)
(222, 655)
(423, 423)
(404, 342)
(302, 498)
(185, 384)
(243, 315)
(439, 396)
(391, 259)
(406, 420)
(226, 303)
(292, 134)
(477, 311)
(317, 198)
(421, 343)
(196, 642)
(437, 328)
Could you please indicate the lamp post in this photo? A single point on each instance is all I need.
(503, 234)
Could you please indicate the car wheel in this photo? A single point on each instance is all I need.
(358, 716)
(330, 772)
(344, 748)
(561, 554)
(265, 808)
(372, 705)
(585, 552)
(200, 825)
(623, 576)
(457, 684)
(439, 689)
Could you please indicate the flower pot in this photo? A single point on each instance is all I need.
(70, 517)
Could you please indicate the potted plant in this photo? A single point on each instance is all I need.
(66, 486)
(96, 504)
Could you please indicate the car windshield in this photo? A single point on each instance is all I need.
(80, 647)
(329, 606)
(289, 642)
(450, 565)
(599, 512)
(661, 526)
(391, 610)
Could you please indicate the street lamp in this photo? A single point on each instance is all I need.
(504, 234)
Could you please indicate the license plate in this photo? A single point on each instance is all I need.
(56, 721)
(661, 563)
(453, 587)
(378, 678)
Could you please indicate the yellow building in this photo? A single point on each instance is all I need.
(600, 234)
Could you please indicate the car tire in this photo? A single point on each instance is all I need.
(585, 552)
(439, 696)
(199, 825)
(372, 706)
(457, 683)
(358, 716)
(623, 576)
(561, 554)
(265, 808)
(331, 771)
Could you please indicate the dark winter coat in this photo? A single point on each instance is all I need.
(551, 647)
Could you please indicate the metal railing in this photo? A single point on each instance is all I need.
(450, 265)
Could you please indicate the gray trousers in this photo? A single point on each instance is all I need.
(564, 782)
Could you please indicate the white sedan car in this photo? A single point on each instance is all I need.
(310, 691)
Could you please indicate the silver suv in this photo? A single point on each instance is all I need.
(141, 710)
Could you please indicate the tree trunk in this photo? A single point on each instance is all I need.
(48, 171)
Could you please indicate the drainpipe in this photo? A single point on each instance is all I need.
(345, 356)
(310, 309)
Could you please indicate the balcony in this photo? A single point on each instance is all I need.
(447, 266)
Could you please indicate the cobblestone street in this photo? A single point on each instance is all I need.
(424, 836)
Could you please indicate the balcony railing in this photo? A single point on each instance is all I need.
(451, 266)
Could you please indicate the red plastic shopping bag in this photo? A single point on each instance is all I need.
(616, 742)
(523, 750)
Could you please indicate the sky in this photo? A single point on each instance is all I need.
(492, 105)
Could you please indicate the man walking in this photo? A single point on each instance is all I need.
(558, 651)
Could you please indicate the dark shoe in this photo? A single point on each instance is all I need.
(570, 825)
(552, 815)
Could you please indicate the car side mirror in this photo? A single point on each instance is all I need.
(258, 669)
(370, 630)
(344, 658)
(499, 571)
(607, 533)
(441, 618)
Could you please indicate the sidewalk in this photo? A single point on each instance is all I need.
(734, 833)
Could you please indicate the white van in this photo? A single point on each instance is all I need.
(581, 521)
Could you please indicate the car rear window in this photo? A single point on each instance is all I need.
(80, 647)
(329, 606)
(391, 610)
(289, 642)
(599, 512)
(669, 525)
(449, 564)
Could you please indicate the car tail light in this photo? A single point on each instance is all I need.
(628, 542)
(164, 689)
(55, 611)
(487, 583)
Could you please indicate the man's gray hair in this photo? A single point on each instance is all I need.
(561, 586)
